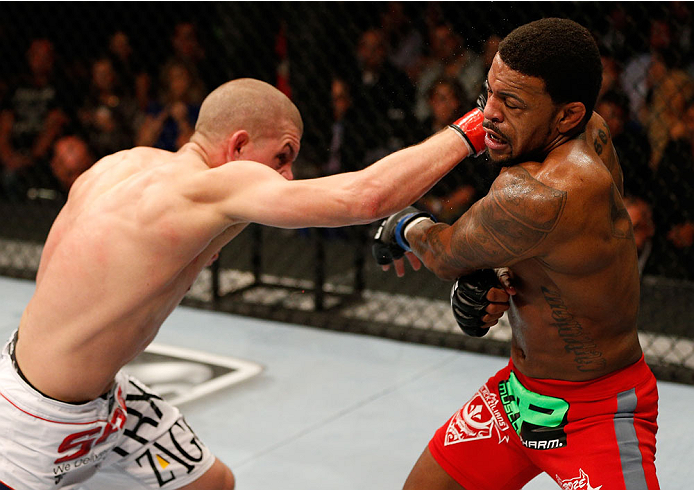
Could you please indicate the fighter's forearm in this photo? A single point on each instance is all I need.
(342, 199)
(432, 243)
(402, 177)
(507, 225)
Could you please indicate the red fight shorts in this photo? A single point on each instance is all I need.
(585, 435)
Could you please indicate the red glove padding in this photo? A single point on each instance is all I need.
(469, 127)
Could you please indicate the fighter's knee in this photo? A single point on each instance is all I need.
(230, 482)
(227, 480)
(218, 477)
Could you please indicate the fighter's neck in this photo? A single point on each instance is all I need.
(196, 151)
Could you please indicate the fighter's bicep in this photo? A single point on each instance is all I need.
(260, 195)
(236, 191)
(510, 222)
(271, 202)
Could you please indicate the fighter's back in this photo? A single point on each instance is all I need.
(120, 256)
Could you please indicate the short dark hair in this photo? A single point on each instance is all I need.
(560, 52)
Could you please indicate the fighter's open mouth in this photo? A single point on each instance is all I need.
(494, 137)
(495, 142)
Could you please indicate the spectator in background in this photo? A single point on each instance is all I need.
(188, 51)
(641, 216)
(108, 114)
(404, 42)
(446, 98)
(135, 80)
(683, 32)
(169, 123)
(674, 214)
(449, 57)
(31, 120)
(71, 157)
(611, 74)
(346, 152)
(630, 142)
(635, 76)
(385, 95)
(614, 38)
(669, 88)
(453, 194)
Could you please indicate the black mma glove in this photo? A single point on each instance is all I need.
(469, 300)
(389, 241)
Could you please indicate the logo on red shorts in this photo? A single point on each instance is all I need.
(581, 482)
(477, 420)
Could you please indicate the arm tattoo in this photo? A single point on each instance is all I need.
(608, 154)
(601, 140)
(576, 341)
(516, 215)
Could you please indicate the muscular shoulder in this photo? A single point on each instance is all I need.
(513, 221)
(123, 177)
(576, 169)
(592, 212)
(520, 194)
(237, 178)
(554, 196)
(127, 162)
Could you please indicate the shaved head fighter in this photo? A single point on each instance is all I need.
(135, 232)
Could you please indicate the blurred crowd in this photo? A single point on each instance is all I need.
(49, 135)
(405, 80)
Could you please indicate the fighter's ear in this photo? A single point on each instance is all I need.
(570, 116)
(235, 145)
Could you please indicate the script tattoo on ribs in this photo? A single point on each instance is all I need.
(587, 357)
(516, 215)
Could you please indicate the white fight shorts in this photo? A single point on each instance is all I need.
(128, 434)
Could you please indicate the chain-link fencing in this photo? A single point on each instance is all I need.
(82, 80)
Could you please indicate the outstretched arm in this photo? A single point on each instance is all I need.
(248, 191)
(508, 225)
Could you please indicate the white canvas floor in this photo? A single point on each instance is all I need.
(338, 411)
